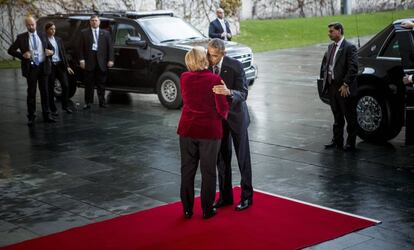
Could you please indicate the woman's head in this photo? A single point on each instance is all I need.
(196, 59)
(50, 29)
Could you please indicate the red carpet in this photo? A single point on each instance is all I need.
(271, 223)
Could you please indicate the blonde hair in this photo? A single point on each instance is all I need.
(196, 59)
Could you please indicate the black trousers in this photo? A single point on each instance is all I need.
(343, 109)
(195, 151)
(58, 72)
(37, 76)
(241, 146)
(95, 77)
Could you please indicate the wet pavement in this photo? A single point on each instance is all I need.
(99, 164)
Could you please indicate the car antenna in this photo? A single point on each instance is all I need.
(357, 30)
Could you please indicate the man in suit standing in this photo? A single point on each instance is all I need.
(60, 68)
(341, 68)
(96, 56)
(220, 28)
(34, 51)
(234, 128)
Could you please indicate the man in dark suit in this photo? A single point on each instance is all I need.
(60, 68)
(234, 128)
(220, 28)
(96, 56)
(341, 68)
(34, 51)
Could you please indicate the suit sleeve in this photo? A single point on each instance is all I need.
(81, 46)
(222, 105)
(323, 66)
(14, 50)
(212, 31)
(110, 47)
(352, 62)
(241, 88)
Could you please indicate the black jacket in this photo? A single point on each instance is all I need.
(21, 46)
(215, 29)
(345, 66)
(234, 77)
(105, 49)
(62, 52)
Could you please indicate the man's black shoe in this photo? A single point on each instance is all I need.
(86, 106)
(349, 148)
(49, 119)
(333, 144)
(54, 113)
(102, 105)
(209, 214)
(30, 122)
(68, 110)
(221, 203)
(243, 205)
(188, 214)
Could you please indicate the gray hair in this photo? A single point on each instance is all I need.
(217, 44)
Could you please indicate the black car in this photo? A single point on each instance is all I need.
(382, 96)
(149, 50)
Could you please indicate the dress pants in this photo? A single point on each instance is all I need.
(95, 77)
(242, 149)
(195, 151)
(35, 76)
(58, 72)
(343, 108)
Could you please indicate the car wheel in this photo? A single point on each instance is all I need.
(169, 91)
(378, 119)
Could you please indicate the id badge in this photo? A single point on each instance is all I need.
(95, 46)
(35, 54)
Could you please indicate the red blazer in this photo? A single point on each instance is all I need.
(203, 111)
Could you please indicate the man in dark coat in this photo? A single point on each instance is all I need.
(341, 68)
(96, 56)
(34, 50)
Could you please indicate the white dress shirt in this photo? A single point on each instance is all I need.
(55, 57)
(338, 46)
(39, 52)
(223, 25)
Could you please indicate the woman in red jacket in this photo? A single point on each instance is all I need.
(200, 130)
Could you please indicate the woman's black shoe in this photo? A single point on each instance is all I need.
(188, 214)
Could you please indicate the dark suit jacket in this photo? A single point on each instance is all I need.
(203, 111)
(21, 46)
(215, 29)
(233, 75)
(62, 52)
(345, 66)
(105, 51)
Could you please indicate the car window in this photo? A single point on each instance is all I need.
(65, 28)
(392, 49)
(123, 32)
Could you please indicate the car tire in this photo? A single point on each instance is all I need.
(378, 118)
(169, 91)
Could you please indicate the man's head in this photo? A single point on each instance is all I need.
(220, 13)
(94, 21)
(336, 31)
(50, 29)
(30, 24)
(216, 51)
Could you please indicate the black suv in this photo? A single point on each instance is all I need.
(382, 96)
(149, 50)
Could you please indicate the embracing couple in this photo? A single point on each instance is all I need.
(214, 114)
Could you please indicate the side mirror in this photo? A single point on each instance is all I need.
(136, 41)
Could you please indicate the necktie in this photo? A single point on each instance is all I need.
(330, 62)
(216, 69)
(36, 54)
(96, 36)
